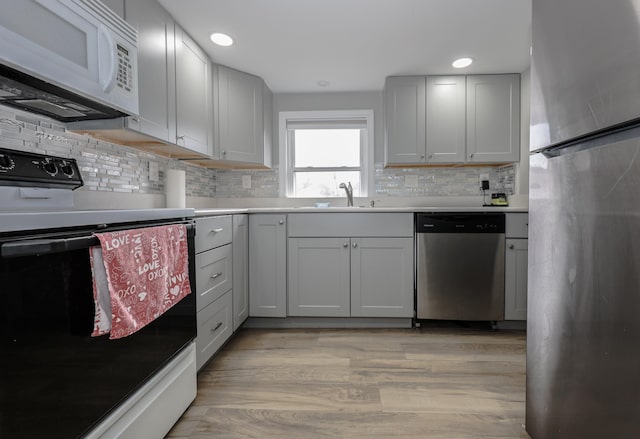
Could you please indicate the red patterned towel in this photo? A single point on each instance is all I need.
(147, 272)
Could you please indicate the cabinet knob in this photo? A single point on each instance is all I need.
(511, 246)
(281, 222)
(345, 244)
(430, 156)
(224, 152)
(354, 245)
(471, 155)
(179, 138)
(422, 156)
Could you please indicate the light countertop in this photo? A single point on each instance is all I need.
(230, 211)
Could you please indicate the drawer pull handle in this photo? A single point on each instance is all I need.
(216, 328)
(215, 276)
(218, 230)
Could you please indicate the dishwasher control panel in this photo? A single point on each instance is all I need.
(460, 222)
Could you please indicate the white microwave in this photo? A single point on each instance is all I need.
(67, 59)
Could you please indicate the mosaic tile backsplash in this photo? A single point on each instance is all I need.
(389, 182)
(104, 166)
(114, 168)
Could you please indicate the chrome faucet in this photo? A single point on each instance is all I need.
(349, 190)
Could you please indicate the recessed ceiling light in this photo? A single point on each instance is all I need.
(323, 83)
(221, 39)
(461, 63)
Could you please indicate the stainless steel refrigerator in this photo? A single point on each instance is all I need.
(583, 339)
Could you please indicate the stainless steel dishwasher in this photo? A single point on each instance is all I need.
(460, 266)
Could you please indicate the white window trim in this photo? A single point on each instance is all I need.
(367, 167)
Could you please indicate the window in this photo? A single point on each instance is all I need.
(323, 149)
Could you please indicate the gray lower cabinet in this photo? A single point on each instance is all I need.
(382, 277)
(319, 276)
(516, 266)
(515, 295)
(214, 285)
(367, 273)
(267, 262)
(214, 328)
(357, 277)
(240, 269)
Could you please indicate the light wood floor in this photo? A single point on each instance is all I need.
(421, 383)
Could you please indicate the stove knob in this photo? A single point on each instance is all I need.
(50, 168)
(6, 162)
(67, 169)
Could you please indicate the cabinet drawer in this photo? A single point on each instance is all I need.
(516, 225)
(214, 328)
(213, 274)
(213, 232)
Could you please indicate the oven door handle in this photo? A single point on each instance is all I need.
(35, 247)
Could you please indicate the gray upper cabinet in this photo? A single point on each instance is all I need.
(452, 119)
(446, 124)
(156, 69)
(493, 118)
(405, 108)
(193, 95)
(242, 116)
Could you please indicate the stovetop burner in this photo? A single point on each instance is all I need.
(26, 169)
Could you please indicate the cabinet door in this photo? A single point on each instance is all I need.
(382, 277)
(267, 259)
(446, 119)
(319, 277)
(193, 95)
(493, 118)
(240, 123)
(240, 269)
(156, 69)
(515, 295)
(404, 108)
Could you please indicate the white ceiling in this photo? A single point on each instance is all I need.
(355, 44)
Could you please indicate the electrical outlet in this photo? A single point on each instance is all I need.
(246, 182)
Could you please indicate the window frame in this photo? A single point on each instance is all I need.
(286, 164)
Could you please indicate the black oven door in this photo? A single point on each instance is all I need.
(56, 381)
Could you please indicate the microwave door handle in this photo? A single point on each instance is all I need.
(34, 247)
(108, 61)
